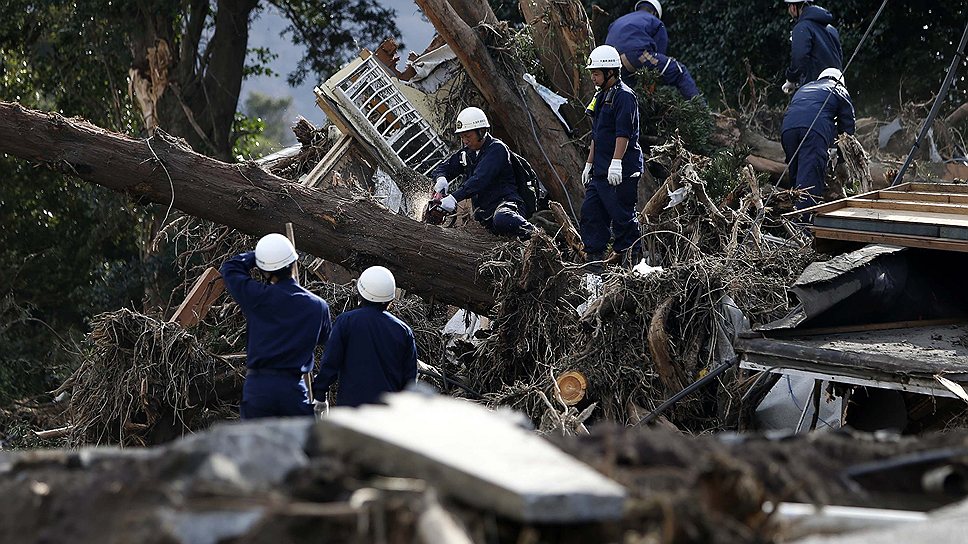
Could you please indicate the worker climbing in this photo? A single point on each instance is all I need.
(370, 351)
(614, 165)
(818, 112)
(285, 323)
(641, 39)
(489, 178)
(814, 44)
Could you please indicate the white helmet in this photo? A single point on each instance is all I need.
(376, 284)
(274, 252)
(603, 57)
(834, 74)
(471, 119)
(655, 4)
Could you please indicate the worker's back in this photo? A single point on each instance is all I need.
(372, 352)
(636, 32)
(826, 98)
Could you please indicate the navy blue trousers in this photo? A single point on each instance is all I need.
(508, 221)
(807, 169)
(274, 395)
(609, 211)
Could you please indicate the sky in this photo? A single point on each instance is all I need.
(266, 31)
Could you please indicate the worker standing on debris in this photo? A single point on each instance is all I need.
(614, 163)
(370, 351)
(814, 44)
(489, 179)
(284, 324)
(641, 39)
(818, 112)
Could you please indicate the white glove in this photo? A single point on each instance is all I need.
(441, 185)
(586, 174)
(320, 408)
(615, 172)
(448, 203)
(789, 87)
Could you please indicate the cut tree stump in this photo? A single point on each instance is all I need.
(572, 386)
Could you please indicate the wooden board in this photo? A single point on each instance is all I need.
(847, 235)
(204, 293)
(921, 217)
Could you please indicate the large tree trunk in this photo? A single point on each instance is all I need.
(563, 35)
(545, 143)
(333, 224)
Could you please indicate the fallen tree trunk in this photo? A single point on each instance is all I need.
(333, 224)
(535, 131)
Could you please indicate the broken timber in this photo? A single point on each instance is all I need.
(334, 224)
(203, 294)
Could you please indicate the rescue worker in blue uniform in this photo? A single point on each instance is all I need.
(284, 323)
(641, 39)
(370, 351)
(818, 112)
(814, 44)
(614, 164)
(489, 178)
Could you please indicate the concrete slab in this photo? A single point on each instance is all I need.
(470, 453)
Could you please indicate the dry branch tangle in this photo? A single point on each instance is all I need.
(333, 224)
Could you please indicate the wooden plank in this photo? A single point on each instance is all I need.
(880, 227)
(469, 453)
(835, 205)
(895, 239)
(910, 206)
(203, 294)
(921, 196)
(922, 218)
(328, 162)
(953, 188)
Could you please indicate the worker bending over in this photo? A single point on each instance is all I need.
(489, 181)
(814, 44)
(641, 39)
(614, 164)
(284, 323)
(370, 351)
(818, 112)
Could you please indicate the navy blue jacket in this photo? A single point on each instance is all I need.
(616, 114)
(837, 115)
(636, 32)
(284, 322)
(371, 352)
(815, 46)
(488, 176)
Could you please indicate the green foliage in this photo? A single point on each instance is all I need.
(663, 112)
(722, 174)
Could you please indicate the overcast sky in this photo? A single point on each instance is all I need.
(267, 30)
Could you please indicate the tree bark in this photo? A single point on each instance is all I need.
(561, 30)
(332, 224)
(536, 132)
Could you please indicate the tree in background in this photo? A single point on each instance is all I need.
(271, 114)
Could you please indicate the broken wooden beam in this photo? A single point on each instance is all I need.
(205, 291)
(336, 224)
